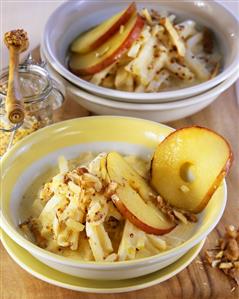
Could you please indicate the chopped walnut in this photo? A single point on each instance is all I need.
(66, 179)
(232, 250)
(180, 216)
(110, 189)
(226, 255)
(174, 214)
(236, 264)
(231, 232)
(227, 265)
(215, 263)
(155, 15)
(81, 170)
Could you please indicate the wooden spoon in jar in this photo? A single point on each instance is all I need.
(17, 42)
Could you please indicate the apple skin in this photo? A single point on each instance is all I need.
(107, 34)
(216, 184)
(122, 20)
(133, 219)
(224, 171)
(133, 35)
(132, 197)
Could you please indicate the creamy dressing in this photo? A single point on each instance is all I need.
(32, 206)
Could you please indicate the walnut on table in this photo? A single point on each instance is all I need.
(226, 255)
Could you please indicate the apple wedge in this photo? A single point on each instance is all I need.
(146, 217)
(188, 167)
(120, 171)
(132, 197)
(109, 52)
(96, 37)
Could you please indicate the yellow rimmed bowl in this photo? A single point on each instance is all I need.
(39, 151)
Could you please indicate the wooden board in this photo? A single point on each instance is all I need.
(197, 280)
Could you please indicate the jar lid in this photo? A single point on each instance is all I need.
(35, 83)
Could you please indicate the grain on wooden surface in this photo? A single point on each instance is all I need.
(197, 281)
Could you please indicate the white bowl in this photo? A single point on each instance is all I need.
(77, 16)
(162, 112)
(37, 152)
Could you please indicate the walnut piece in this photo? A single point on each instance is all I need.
(226, 255)
(174, 214)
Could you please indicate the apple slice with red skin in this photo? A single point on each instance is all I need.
(145, 216)
(96, 37)
(109, 52)
(132, 197)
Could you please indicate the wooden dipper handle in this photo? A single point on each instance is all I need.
(17, 42)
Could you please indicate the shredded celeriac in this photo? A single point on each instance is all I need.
(165, 46)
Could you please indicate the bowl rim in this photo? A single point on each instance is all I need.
(46, 255)
(194, 100)
(184, 92)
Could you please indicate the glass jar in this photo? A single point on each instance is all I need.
(41, 96)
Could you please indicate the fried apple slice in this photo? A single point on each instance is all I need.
(188, 167)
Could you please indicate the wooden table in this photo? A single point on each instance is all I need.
(197, 280)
